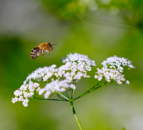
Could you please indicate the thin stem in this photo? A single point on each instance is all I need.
(64, 96)
(75, 115)
(73, 90)
(95, 86)
(67, 94)
(98, 87)
(90, 90)
(59, 95)
(50, 99)
(72, 94)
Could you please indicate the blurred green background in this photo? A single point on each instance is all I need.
(97, 28)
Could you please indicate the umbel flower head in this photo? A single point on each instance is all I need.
(57, 79)
(112, 70)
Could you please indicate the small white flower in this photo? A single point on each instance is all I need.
(96, 76)
(119, 82)
(127, 82)
(14, 100)
(21, 98)
(131, 66)
(47, 94)
(25, 94)
(35, 85)
(41, 91)
(17, 93)
(38, 89)
(72, 86)
(22, 87)
(25, 102)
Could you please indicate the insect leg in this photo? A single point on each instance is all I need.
(43, 52)
(48, 51)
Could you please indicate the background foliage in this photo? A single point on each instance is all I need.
(97, 28)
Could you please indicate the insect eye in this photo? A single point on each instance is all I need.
(49, 45)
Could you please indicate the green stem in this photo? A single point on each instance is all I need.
(67, 94)
(75, 115)
(72, 94)
(61, 97)
(50, 99)
(90, 90)
(64, 96)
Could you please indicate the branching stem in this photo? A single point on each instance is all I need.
(92, 89)
(66, 97)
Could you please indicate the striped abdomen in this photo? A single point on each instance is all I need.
(35, 53)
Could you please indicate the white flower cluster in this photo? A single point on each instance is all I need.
(117, 62)
(81, 59)
(57, 79)
(25, 91)
(55, 87)
(112, 70)
(76, 66)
